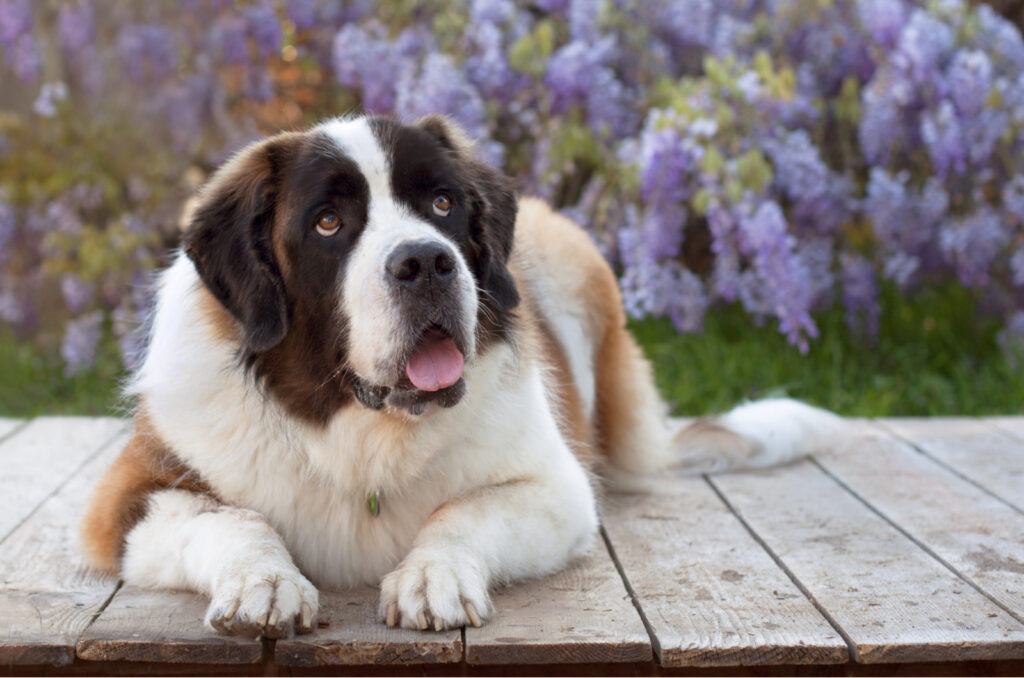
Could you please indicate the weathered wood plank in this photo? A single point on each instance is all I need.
(1012, 425)
(349, 633)
(711, 594)
(8, 426)
(143, 625)
(972, 448)
(47, 594)
(978, 535)
(38, 458)
(582, 614)
(893, 601)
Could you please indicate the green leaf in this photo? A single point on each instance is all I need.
(701, 201)
(717, 72)
(712, 162)
(753, 171)
(847, 104)
(762, 65)
(529, 54)
(733, 191)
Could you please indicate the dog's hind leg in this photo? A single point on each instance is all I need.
(636, 436)
(631, 419)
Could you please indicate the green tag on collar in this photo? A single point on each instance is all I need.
(373, 503)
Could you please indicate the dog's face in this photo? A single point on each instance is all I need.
(362, 259)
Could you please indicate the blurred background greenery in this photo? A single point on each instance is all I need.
(931, 357)
(112, 113)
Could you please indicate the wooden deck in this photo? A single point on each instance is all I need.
(905, 547)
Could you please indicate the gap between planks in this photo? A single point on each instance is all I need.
(894, 601)
(709, 593)
(578, 615)
(108, 432)
(10, 427)
(350, 633)
(1010, 425)
(633, 598)
(984, 461)
(850, 645)
(45, 581)
(967, 528)
(920, 544)
(621, 571)
(74, 472)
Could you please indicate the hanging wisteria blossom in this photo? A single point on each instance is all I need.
(783, 156)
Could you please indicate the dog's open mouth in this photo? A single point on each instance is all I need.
(433, 372)
(435, 363)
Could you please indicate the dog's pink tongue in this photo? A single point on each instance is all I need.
(436, 363)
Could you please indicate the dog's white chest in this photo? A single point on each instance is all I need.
(314, 490)
(310, 482)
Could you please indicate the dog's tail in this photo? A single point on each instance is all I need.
(755, 435)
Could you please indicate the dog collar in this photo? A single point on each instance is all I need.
(373, 503)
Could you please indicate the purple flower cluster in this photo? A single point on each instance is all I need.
(147, 51)
(923, 102)
(81, 341)
(20, 50)
(784, 156)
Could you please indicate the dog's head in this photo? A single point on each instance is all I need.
(363, 258)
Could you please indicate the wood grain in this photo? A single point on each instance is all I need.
(143, 625)
(47, 594)
(972, 448)
(44, 454)
(8, 426)
(978, 535)
(711, 594)
(349, 633)
(582, 614)
(1012, 425)
(893, 601)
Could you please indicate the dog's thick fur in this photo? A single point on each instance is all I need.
(276, 396)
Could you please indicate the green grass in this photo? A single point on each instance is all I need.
(33, 382)
(935, 356)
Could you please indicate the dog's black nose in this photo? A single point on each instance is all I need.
(417, 263)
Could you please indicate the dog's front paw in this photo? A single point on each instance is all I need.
(434, 591)
(270, 603)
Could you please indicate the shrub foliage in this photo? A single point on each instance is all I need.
(787, 155)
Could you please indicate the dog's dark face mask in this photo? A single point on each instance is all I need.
(285, 233)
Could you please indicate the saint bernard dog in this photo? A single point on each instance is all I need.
(372, 363)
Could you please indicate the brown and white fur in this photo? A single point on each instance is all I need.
(272, 400)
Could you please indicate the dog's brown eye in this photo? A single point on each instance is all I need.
(442, 205)
(328, 224)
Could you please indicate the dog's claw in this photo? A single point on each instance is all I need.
(264, 600)
(306, 618)
(474, 618)
(391, 619)
(232, 611)
(433, 593)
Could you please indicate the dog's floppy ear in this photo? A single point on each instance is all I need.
(493, 206)
(229, 239)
